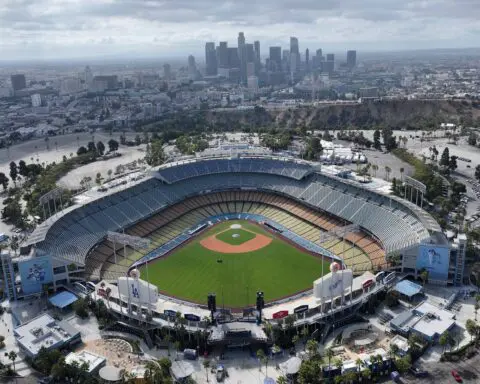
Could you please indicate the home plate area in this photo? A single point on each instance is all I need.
(235, 240)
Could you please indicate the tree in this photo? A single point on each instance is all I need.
(424, 276)
(282, 380)
(14, 245)
(477, 172)
(312, 348)
(445, 158)
(472, 139)
(376, 140)
(154, 153)
(472, 328)
(387, 172)
(81, 151)
(4, 181)
(310, 372)
(263, 358)
(91, 147)
(452, 163)
(100, 148)
(393, 350)
(476, 308)
(12, 355)
(403, 364)
(22, 168)
(402, 170)
(13, 172)
(98, 178)
(443, 340)
(206, 365)
(112, 145)
(81, 308)
(109, 173)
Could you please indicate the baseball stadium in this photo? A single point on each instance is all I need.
(233, 225)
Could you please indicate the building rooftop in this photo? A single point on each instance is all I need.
(93, 360)
(44, 331)
(434, 320)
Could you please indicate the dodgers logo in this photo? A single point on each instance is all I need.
(135, 292)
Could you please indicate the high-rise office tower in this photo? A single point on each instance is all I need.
(307, 59)
(319, 53)
(18, 82)
(258, 62)
(256, 45)
(294, 55)
(88, 77)
(242, 57)
(192, 67)
(222, 54)
(233, 59)
(249, 53)
(351, 59)
(329, 64)
(167, 71)
(275, 58)
(210, 59)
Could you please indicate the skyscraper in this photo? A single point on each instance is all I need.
(256, 45)
(192, 67)
(242, 57)
(307, 59)
(329, 64)
(294, 55)
(351, 59)
(88, 78)
(18, 82)
(275, 58)
(233, 59)
(167, 71)
(210, 59)
(222, 54)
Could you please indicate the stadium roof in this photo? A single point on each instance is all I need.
(63, 299)
(408, 288)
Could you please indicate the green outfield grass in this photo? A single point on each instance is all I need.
(192, 271)
(228, 238)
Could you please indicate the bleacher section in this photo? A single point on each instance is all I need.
(171, 228)
(174, 172)
(73, 233)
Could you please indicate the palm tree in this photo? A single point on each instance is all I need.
(108, 291)
(153, 372)
(401, 173)
(329, 353)
(359, 363)
(375, 169)
(263, 358)
(476, 308)
(312, 348)
(393, 350)
(206, 365)
(12, 355)
(387, 172)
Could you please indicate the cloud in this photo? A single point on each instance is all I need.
(60, 27)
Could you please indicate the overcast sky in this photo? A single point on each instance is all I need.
(76, 28)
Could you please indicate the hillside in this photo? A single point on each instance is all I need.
(397, 114)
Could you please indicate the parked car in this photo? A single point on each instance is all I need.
(456, 376)
(418, 372)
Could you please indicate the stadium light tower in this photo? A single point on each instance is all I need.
(260, 305)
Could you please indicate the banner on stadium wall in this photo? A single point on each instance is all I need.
(170, 313)
(300, 309)
(280, 315)
(34, 273)
(332, 284)
(137, 290)
(435, 260)
(191, 317)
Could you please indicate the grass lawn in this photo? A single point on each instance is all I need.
(227, 236)
(192, 271)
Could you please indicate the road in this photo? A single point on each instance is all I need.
(440, 372)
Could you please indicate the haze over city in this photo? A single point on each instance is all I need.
(54, 29)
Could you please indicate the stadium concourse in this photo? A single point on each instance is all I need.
(320, 211)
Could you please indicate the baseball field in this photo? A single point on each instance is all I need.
(235, 259)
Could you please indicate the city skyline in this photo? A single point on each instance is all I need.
(50, 29)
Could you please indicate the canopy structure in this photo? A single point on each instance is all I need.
(408, 288)
(63, 299)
